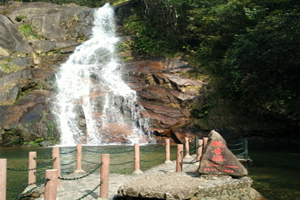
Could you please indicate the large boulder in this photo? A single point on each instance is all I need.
(217, 159)
(11, 39)
(54, 22)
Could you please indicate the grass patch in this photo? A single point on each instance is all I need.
(6, 68)
(27, 31)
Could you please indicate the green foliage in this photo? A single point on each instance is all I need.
(147, 42)
(81, 37)
(250, 46)
(6, 68)
(13, 137)
(27, 31)
(261, 68)
(35, 143)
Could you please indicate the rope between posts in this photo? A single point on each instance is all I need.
(29, 191)
(68, 163)
(38, 167)
(116, 152)
(191, 162)
(122, 163)
(153, 159)
(144, 150)
(68, 152)
(243, 148)
(77, 178)
(87, 194)
(42, 158)
(90, 162)
(41, 172)
(193, 147)
(192, 150)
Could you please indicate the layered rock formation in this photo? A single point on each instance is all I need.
(166, 94)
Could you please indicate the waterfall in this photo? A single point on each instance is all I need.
(94, 105)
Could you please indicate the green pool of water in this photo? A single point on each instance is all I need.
(275, 172)
(121, 161)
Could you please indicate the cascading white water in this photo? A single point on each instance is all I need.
(93, 101)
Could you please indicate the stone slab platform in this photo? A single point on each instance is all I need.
(184, 186)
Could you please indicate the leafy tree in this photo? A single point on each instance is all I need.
(252, 45)
(262, 66)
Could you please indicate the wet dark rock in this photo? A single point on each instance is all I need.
(28, 116)
(217, 159)
(34, 115)
(80, 118)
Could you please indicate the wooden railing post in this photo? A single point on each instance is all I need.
(179, 158)
(32, 168)
(199, 150)
(3, 174)
(79, 159)
(104, 175)
(50, 192)
(137, 169)
(205, 139)
(187, 148)
(56, 162)
(168, 157)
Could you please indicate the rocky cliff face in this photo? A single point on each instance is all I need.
(36, 37)
(166, 94)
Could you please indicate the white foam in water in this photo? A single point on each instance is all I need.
(95, 64)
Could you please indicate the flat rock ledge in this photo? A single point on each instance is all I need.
(185, 186)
